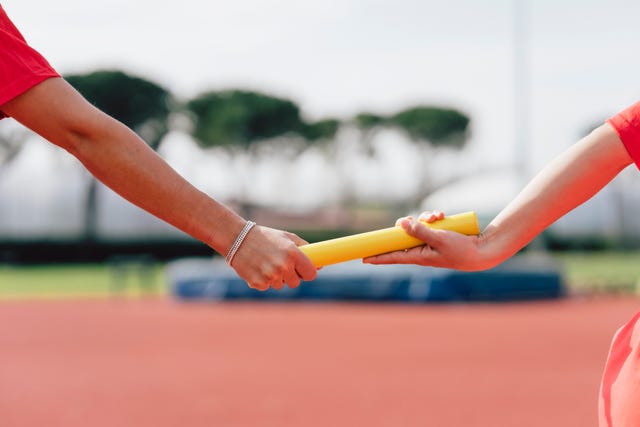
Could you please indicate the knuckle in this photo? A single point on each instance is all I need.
(292, 252)
(279, 271)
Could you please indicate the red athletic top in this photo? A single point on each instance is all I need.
(619, 402)
(627, 124)
(21, 67)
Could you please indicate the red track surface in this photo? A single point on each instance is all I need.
(159, 363)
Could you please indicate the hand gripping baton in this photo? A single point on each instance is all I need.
(382, 241)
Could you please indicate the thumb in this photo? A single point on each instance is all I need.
(421, 231)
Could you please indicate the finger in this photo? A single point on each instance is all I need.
(259, 286)
(292, 279)
(277, 284)
(305, 268)
(422, 255)
(423, 232)
(399, 220)
(390, 258)
(269, 279)
(431, 216)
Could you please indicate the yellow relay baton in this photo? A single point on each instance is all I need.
(382, 241)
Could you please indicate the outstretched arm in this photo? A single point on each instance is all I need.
(121, 160)
(568, 181)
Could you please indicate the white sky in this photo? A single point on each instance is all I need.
(341, 57)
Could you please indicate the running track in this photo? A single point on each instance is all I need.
(162, 363)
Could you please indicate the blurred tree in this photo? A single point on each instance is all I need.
(12, 139)
(251, 124)
(368, 120)
(369, 124)
(321, 130)
(236, 118)
(142, 105)
(433, 125)
(437, 126)
(429, 128)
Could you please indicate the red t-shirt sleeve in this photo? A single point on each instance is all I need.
(627, 125)
(21, 66)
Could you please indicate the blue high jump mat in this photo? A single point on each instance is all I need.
(524, 277)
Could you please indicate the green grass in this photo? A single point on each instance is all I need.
(585, 272)
(601, 272)
(78, 281)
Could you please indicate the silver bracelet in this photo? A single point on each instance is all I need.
(236, 245)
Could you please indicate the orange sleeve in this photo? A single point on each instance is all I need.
(627, 125)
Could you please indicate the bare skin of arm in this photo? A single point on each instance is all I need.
(116, 156)
(565, 183)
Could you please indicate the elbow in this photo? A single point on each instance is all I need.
(74, 141)
(80, 137)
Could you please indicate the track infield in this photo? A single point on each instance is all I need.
(161, 363)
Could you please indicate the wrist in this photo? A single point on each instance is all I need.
(231, 253)
(490, 250)
(224, 228)
(495, 246)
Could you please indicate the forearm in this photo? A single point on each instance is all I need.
(120, 159)
(565, 183)
(147, 181)
(568, 181)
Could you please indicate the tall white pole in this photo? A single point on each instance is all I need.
(521, 90)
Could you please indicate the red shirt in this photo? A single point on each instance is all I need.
(21, 67)
(619, 402)
(627, 124)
